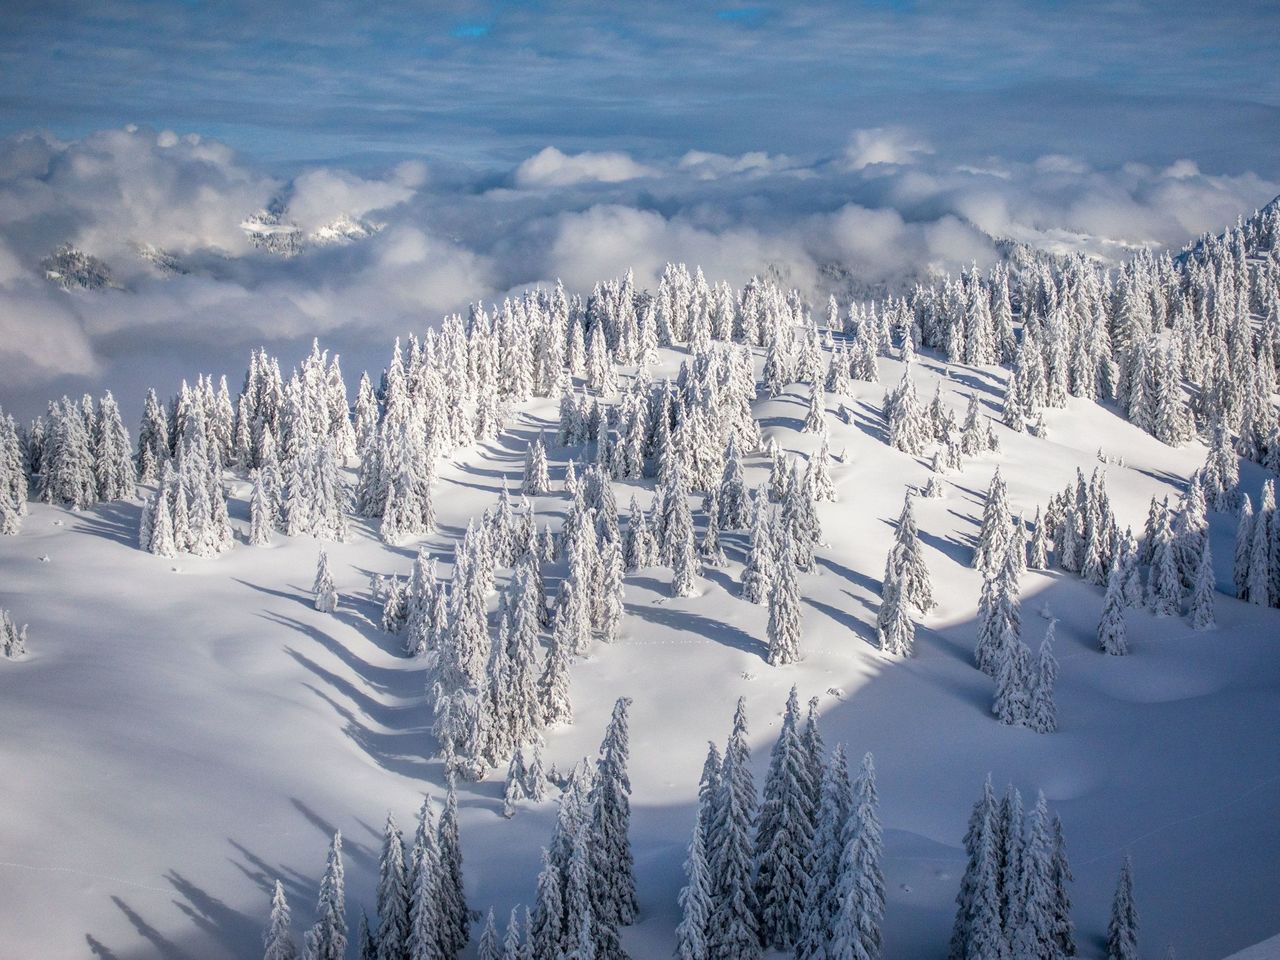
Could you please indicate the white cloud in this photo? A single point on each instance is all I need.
(711, 166)
(883, 145)
(551, 168)
(319, 196)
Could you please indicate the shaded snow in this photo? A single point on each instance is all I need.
(186, 731)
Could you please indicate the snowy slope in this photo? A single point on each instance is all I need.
(184, 732)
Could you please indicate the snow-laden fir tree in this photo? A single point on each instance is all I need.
(1013, 681)
(262, 520)
(1122, 929)
(488, 947)
(277, 938)
(112, 452)
(710, 551)
(784, 612)
(427, 929)
(905, 563)
(455, 924)
(733, 933)
(817, 472)
(13, 639)
(1263, 550)
(537, 478)
(1032, 935)
(895, 631)
(1112, 632)
(695, 903)
(545, 928)
(393, 895)
(800, 520)
(327, 938)
(822, 863)
(976, 934)
(1038, 558)
(735, 505)
(1042, 713)
(1063, 926)
(993, 538)
(366, 949)
(1243, 548)
(611, 825)
(784, 834)
(513, 788)
(758, 571)
(859, 895)
(1201, 614)
(513, 948)
(326, 594)
(1164, 586)
(815, 418)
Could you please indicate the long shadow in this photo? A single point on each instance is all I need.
(357, 851)
(225, 924)
(845, 619)
(393, 681)
(298, 887)
(689, 622)
(956, 550)
(116, 521)
(99, 949)
(382, 747)
(167, 949)
(867, 583)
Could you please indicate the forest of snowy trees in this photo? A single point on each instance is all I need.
(1182, 347)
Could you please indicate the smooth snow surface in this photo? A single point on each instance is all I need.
(183, 732)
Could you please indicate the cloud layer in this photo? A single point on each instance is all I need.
(886, 210)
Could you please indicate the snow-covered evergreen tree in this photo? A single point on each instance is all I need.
(784, 834)
(326, 594)
(733, 933)
(906, 565)
(613, 863)
(1202, 602)
(1112, 632)
(859, 894)
(1042, 713)
(1122, 930)
(277, 938)
(327, 938)
(784, 613)
(393, 895)
(537, 478)
(695, 903)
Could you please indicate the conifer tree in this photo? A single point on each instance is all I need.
(1202, 601)
(859, 891)
(327, 938)
(993, 539)
(1013, 702)
(537, 478)
(1122, 930)
(1032, 935)
(784, 613)
(1244, 548)
(895, 631)
(822, 866)
(488, 948)
(977, 933)
(392, 895)
(709, 550)
(611, 824)
(1112, 634)
(1063, 927)
(815, 418)
(784, 833)
(695, 903)
(366, 949)
(545, 929)
(278, 938)
(453, 903)
(1042, 714)
(906, 565)
(326, 594)
(758, 571)
(733, 933)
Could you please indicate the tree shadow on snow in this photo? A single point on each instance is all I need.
(686, 621)
(116, 521)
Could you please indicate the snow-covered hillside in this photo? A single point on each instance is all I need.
(185, 731)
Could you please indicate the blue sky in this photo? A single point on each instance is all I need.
(290, 83)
